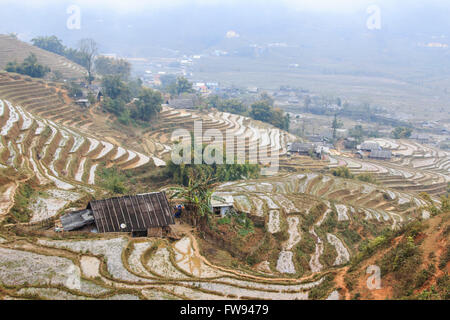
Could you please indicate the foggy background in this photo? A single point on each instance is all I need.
(321, 36)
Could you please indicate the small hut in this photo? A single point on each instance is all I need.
(223, 205)
(381, 154)
(141, 215)
(302, 148)
(369, 146)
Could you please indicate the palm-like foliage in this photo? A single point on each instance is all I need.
(221, 172)
(198, 194)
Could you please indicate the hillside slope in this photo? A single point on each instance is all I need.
(15, 50)
(414, 264)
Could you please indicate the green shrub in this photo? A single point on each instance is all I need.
(306, 245)
(351, 236)
(113, 180)
(29, 67)
(322, 290)
(445, 258)
(329, 254)
(424, 275)
(342, 172)
(366, 177)
(403, 263)
(224, 220)
(20, 210)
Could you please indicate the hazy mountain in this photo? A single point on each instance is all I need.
(324, 34)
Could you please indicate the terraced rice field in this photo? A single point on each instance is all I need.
(55, 155)
(121, 268)
(414, 167)
(316, 222)
(253, 134)
(41, 100)
(16, 50)
(286, 202)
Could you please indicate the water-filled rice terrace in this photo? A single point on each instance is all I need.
(55, 155)
(333, 214)
(414, 167)
(121, 268)
(313, 223)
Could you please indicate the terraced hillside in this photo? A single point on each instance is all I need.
(324, 220)
(51, 103)
(43, 100)
(308, 227)
(52, 154)
(121, 268)
(414, 167)
(255, 133)
(47, 138)
(15, 50)
(324, 210)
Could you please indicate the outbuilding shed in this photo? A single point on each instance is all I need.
(143, 214)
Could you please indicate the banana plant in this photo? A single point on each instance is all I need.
(198, 194)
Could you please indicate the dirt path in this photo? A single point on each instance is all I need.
(340, 283)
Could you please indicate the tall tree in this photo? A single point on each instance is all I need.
(109, 66)
(357, 132)
(261, 111)
(181, 85)
(197, 196)
(115, 88)
(51, 43)
(89, 49)
(402, 132)
(233, 106)
(266, 97)
(307, 102)
(336, 124)
(148, 104)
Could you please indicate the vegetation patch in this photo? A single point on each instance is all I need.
(29, 67)
(114, 180)
(323, 289)
(20, 211)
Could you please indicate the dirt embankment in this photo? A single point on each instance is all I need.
(432, 243)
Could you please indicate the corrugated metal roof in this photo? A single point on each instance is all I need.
(369, 146)
(301, 147)
(223, 201)
(381, 154)
(132, 213)
(76, 220)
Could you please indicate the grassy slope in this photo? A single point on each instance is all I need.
(12, 49)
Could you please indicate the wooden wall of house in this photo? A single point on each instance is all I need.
(155, 232)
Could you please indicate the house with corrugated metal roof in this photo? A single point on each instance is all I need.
(421, 138)
(301, 148)
(381, 154)
(369, 146)
(185, 101)
(141, 215)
